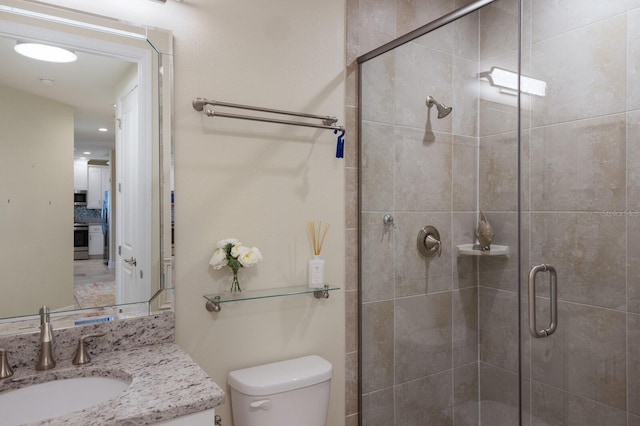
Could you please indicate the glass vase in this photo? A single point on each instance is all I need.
(235, 284)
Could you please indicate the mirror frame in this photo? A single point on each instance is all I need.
(103, 35)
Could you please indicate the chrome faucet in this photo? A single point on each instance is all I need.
(5, 368)
(46, 360)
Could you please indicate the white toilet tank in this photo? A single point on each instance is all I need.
(285, 393)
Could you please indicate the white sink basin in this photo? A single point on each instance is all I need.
(56, 398)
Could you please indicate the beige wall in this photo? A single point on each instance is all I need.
(254, 181)
(36, 160)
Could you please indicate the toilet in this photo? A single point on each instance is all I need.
(294, 392)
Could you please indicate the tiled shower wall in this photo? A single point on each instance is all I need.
(584, 209)
(420, 317)
(581, 203)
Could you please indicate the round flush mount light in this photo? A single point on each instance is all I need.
(44, 52)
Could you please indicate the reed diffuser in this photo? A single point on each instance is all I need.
(316, 265)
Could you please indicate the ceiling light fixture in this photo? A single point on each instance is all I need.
(44, 52)
(509, 80)
(103, 129)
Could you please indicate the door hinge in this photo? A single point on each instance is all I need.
(119, 250)
(119, 186)
(141, 274)
(119, 120)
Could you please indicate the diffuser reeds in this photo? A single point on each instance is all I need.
(317, 235)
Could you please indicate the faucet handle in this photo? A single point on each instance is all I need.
(82, 356)
(5, 368)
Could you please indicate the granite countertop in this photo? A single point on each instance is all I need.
(165, 383)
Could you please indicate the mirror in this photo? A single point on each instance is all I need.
(111, 245)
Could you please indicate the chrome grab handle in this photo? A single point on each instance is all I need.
(553, 288)
(131, 261)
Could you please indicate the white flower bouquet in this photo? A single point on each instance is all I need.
(232, 253)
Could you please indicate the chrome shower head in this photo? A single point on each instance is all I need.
(443, 110)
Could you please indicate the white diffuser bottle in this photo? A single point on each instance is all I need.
(316, 272)
(316, 265)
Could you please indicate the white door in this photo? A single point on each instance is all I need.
(132, 270)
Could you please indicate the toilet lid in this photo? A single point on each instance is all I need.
(281, 376)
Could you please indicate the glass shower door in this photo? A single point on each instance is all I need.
(580, 214)
(439, 333)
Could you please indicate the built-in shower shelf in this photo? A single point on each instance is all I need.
(215, 300)
(469, 250)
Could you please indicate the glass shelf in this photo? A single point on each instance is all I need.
(214, 300)
(469, 250)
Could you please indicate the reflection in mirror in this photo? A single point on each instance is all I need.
(98, 128)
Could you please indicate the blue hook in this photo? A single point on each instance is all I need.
(340, 145)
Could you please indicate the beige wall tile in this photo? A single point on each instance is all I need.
(464, 100)
(633, 362)
(464, 268)
(420, 72)
(378, 15)
(633, 66)
(586, 355)
(585, 71)
(377, 337)
(413, 408)
(498, 174)
(464, 174)
(377, 167)
(377, 408)
(553, 406)
(633, 161)
(423, 329)
(351, 385)
(465, 326)
(377, 269)
(579, 165)
(351, 260)
(413, 14)
(422, 171)
(501, 272)
(498, 396)
(466, 409)
(588, 272)
(498, 313)
(378, 100)
(552, 18)
(498, 29)
(351, 321)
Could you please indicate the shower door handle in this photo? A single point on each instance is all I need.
(553, 299)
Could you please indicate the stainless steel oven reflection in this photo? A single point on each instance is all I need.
(80, 241)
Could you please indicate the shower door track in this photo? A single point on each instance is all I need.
(420, 31)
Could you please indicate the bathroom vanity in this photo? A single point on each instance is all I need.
(163, 384)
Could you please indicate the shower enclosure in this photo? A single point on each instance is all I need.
(543, 139)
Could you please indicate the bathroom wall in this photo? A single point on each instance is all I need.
(257, 182)
(37, 216)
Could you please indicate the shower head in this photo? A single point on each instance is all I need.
(443, 110)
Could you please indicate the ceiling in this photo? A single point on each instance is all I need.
(88, 85)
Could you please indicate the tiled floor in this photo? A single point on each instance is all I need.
(92, 270)
(93, 283)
